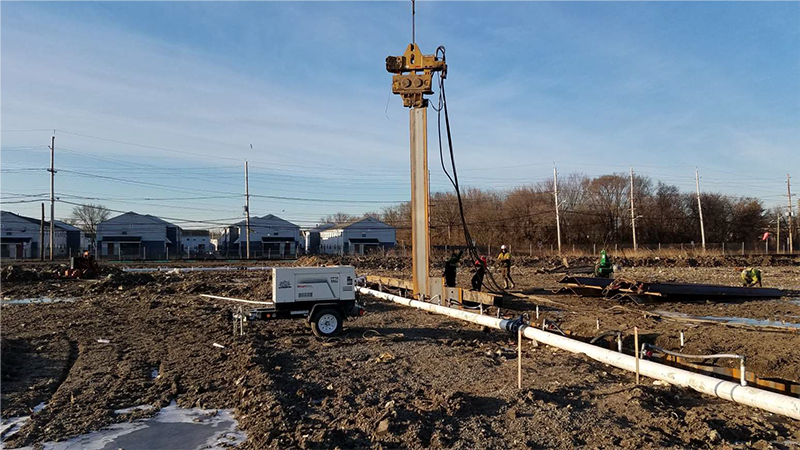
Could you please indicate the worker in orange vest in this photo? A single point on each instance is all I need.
(504, 258)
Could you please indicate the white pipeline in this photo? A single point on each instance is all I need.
(196, 269)
(745, 395)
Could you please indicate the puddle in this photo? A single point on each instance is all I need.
(735, 320)
(35, 300)
(171, 428)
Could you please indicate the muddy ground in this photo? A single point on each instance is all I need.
(396, 378)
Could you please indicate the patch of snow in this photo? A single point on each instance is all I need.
(172, 427)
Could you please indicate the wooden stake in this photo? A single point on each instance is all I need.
(636, 350)
(519, 358)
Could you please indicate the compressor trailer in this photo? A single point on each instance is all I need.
(323, 295)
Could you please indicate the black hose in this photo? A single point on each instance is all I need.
(494, 286)
(603, 335)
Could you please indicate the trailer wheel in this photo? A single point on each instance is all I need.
(326, 322)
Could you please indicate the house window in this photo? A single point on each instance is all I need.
(124, 232)
(363, 234)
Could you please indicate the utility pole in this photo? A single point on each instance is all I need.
(700, 208)
(789, 199)
(247, 206)
(633, 215)
(41, 236)
(778, 247)
(558, 221)
(52, 192)
(412, 79)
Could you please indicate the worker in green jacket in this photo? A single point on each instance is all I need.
(751, 277)
(603, 268)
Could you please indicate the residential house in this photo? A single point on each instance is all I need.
(196, 242)
(358, 237)
(20, 237)
(133, 235)
(270, 237)
(74, 239)
(312, 239)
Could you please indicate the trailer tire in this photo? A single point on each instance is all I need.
(327, 322)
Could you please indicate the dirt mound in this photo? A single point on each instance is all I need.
(310, 261)
(363, 262)
(22, 274)
(120, 280)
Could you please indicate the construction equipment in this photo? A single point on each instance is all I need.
(82, 267)
(325, 296)
(412, 80)
(603, 268)
(414, 75)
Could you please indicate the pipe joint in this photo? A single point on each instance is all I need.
(513, 325)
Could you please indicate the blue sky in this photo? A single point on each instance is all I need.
(594, 87)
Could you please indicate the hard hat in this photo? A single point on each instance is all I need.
(502, 247)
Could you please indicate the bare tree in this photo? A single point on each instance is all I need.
(86, 217)
(593, 211)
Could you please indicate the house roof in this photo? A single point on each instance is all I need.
(365, 222)
(139, 217)
(59, 224)
(66, 226)
(270, 220)
(322, 227)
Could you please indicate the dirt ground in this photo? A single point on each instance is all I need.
(397, 377)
